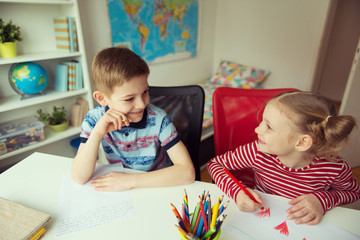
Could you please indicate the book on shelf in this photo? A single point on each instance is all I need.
(79, 76)
(68, 76)
(61, 77)
(65, 34)
(21, 222)
(62, 34)
(78, 110)
(73, 36)
(71, 75)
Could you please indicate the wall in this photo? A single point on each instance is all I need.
(343, 40)
(282, 36)
(97, 34)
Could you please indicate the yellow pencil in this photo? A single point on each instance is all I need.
(38, 234)
(215, 213)
(181, 231)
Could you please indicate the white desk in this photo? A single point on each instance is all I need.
(35, 182)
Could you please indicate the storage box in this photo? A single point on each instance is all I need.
(20, 133)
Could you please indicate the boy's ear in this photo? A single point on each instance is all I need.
(100, 98)
(304, 143)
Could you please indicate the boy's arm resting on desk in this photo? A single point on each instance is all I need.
(84, 163)
(85, 160)
(182, 172)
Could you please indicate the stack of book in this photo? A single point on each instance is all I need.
(68, 76)
(78, 110)
(66, 34)
(21, 222)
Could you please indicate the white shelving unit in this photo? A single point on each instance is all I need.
(35, 19)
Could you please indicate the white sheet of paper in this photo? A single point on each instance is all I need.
(81, 207)
(244, 225)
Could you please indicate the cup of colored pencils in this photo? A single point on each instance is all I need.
(204, 223)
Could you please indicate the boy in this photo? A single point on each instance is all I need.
(131, 130)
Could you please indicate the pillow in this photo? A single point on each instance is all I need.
(232, 74)
(209, 89)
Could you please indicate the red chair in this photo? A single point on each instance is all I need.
(236, 114)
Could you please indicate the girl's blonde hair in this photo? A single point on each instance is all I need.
(113, 66)
(316, 116)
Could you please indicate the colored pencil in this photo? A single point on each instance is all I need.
(182, 224)
(197, 222)
(186, 200)
(187, 214)
(175, 211)
(219, 222)
(195, 217)
(215, 213)
(241, 186)
(209, 233)
(184, 216)
(223, 207)
(202, 211)
(181, 231)
(209, 211)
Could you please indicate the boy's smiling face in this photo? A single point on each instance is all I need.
(130, 98)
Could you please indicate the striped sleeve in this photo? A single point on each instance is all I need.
(344, 190)
(240, 158)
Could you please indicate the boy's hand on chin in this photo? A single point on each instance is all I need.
(306, 209)
(113, 182)
(111, 121)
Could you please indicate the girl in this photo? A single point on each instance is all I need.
(294, 157)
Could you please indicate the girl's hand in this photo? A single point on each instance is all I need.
(111, 121)
(306, 209)
(113, 182)
(245, 203)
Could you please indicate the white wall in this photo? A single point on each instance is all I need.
(97, 35)
(282, 36)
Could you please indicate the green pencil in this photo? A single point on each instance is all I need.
(209, 233)
(196, 213)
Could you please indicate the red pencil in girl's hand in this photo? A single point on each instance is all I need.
(241, 186)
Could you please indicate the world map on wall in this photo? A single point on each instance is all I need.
(157, 30)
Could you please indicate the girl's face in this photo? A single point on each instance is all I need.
(276, 133)
(130, 98)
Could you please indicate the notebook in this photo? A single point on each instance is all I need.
(21, 222)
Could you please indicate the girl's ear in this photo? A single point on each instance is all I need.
(304, 143)
(100, 98)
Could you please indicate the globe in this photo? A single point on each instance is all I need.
(28, 78)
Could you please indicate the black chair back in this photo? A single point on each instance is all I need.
(185, 107)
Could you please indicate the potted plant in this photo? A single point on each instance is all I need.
(9, 34)
(56, 120)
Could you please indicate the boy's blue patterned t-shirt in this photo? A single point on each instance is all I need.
(142, 145)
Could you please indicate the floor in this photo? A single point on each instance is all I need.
(204, 174)
(205, 177)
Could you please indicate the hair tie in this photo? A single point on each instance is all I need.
(327, 118)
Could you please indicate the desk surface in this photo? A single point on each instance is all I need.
(35, 182)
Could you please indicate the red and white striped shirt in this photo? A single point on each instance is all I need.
(331, 182)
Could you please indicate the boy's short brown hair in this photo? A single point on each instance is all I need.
(115, 65)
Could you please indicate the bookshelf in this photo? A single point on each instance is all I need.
(35, 19)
